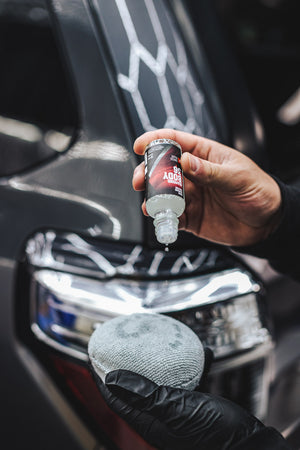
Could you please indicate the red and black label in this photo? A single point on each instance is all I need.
(163, 171)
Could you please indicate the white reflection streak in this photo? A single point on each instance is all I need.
(99, 150)
(81, 247)
(124, 298)
(21, 130)
(289, 113)
(158, 257)
(128, 267)
(89, 303)
(58, 141)
(180, 262)
(239, 281)
(158, 66)
(70, 197)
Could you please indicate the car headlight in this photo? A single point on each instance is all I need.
(77, 285)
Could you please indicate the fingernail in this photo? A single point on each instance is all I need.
(194, 163)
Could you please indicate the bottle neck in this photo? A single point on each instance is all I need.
(166, 226)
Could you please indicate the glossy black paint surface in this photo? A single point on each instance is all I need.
(86, 189)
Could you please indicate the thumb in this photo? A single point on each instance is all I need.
(136, 391)
(130, 386)
(201, 171)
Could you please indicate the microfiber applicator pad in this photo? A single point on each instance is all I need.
(158, 347)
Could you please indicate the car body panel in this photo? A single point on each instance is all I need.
(86, 188)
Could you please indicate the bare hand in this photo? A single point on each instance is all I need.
(229, 199)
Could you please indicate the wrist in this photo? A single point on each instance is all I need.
(269, 212)
(274, 215)
(273, 222)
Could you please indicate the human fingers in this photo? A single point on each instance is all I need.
(144, 208)
(135, 418)
(141, 393)
(174, 418)
(202, 147)
(138, 179)
(129, 393)
(202, 172)
(186, 140)
(129, 385)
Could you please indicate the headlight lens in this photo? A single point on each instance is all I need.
(77, 284)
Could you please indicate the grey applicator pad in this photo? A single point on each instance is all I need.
(158, 347)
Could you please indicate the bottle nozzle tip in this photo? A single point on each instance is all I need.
(166, 227)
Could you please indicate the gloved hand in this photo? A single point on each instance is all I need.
(170, 418)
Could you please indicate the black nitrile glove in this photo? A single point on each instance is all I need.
(177, 419)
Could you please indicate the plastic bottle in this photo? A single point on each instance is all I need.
(164, 188)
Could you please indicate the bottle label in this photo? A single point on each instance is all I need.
(163, 173)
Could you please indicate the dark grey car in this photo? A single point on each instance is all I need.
(80, 80)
